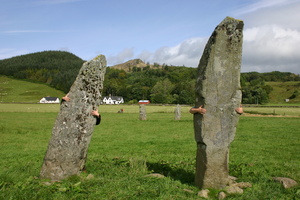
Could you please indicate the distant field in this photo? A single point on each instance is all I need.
(102, 108)
(13, 90)
(284, 111)
(276, 111)
(282, 91)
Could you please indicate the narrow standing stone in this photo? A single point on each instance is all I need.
(67, 150)
(143, 114)
(218, 89)
(177, 112)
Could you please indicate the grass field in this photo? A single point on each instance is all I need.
(14, 90)
(124, 150)
(284, 90)
(285, 111)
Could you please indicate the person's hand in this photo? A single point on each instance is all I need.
(95, 113)
(239, 110)
(66, 98)
(200, 110)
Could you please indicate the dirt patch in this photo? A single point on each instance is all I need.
(259, 115)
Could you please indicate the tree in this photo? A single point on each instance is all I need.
(162, 92)
(184, 92)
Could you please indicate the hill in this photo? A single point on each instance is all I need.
(284, 90)
(135, 65)
(55, 68)
(18, 91)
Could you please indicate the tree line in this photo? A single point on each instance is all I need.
(165, 84)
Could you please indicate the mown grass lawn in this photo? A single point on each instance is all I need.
(124, 150)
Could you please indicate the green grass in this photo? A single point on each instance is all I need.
(273, 111)
(282, 91)
(14, 90)
(103, 108)
(124, 149)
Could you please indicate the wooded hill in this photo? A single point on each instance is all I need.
(135, 80)
(55, 68)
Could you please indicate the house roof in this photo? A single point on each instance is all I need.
(51, 98)
(116, 98)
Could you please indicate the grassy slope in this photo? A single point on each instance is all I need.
(282, 91)
(13, 90)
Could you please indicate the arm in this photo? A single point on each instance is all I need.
(200, 110)
(65, 98)
(239, 110)
(96, 114)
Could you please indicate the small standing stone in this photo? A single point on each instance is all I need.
(90, 176)
(286, 182)
(233, 189)
(203, 193)
(143, 114)
(221, 195)
(177, 112)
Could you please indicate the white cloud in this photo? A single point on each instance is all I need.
(265, 49)
(123, 56)
(187, 53)
(261, 4)
(272, 38)
(286, 15)
(271, 48)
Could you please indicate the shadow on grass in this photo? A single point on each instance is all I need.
(172, 171)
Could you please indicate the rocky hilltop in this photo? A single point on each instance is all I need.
(134, 65)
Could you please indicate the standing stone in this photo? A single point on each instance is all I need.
(218, 89)
(73, 129)
(177, 112)
(143, 114)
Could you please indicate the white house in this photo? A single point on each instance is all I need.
(112, 100)
(49, 100)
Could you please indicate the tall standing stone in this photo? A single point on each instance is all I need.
(177, 112)
(218, 89)
(67, 150)
(143, 113)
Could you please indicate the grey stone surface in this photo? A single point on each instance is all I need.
(143, 113)
(221, 195)
(286, 182)
(218, 89)
(177, 112)
(67, 149)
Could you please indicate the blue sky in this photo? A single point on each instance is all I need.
(173, 32)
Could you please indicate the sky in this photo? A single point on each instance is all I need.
(172, 32)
